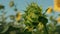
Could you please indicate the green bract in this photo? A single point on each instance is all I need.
(35, 23)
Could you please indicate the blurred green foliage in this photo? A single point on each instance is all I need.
(33, 21)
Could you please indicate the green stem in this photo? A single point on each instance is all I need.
(45, 11)
(46, 29)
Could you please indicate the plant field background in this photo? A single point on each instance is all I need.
(28, 17)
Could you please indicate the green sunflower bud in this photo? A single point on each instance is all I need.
(11, 4)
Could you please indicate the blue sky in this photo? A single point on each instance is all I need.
(22, 4)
